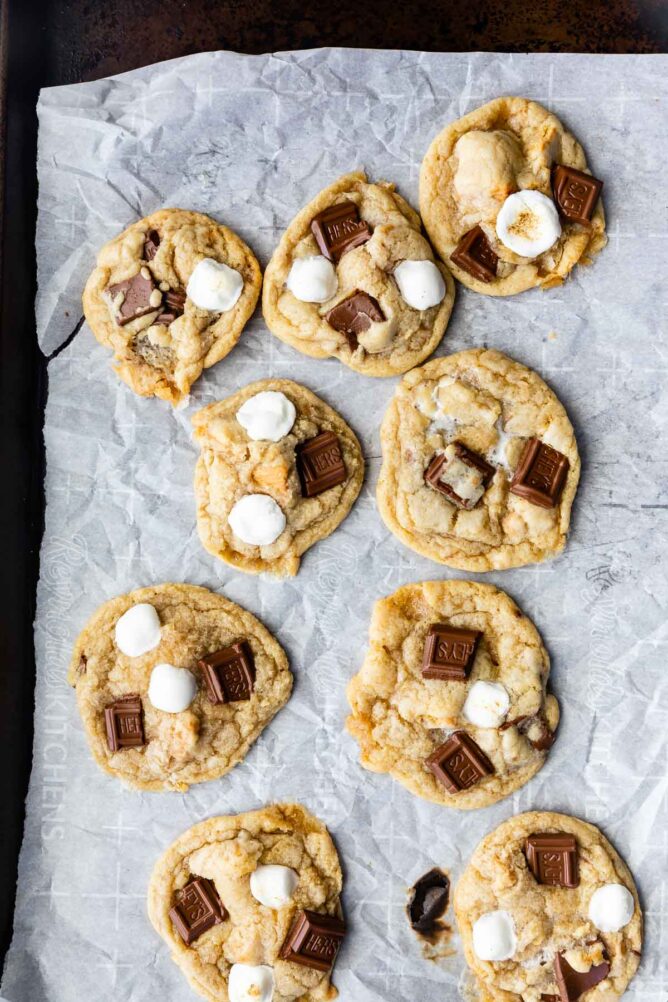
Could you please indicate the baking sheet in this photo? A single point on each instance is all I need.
(250, 140)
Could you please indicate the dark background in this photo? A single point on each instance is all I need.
(49, 43)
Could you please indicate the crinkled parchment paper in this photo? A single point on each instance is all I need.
(250, 140)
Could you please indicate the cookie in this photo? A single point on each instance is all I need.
(354, 278)
(171, 296)
(174, 683)
(508, 201)
(451, 699)
(279, 470)
(249, 906)
(480, 463)
(547, 910)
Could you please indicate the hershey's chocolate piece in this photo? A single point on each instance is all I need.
(135, 296)
(173, 305)
(474, 254)
(553, 859)
(542, 741)
(428, 900)
(459, 467)
(571, 983)
(338, 229)
(320, 464)
(449, 652)
(459, 763)
(540, 475)
(354, 315)
(314, 940)
(575, 193)
(229, 674)
(151, 244)
(197, 909)
(123, 720)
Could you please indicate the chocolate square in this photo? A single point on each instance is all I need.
(459, 763)
(553, 859)
(575, 193)
(151, 244)
(449, 652)
(123, 720)
(198, 908)
(136, 295)
(229, 674)
(540, 475)
(174, 303)
(441, 466)
(314, 940)
(354, 315)
(571, 983)
(338, 229)
(474, 254)
(320, 464)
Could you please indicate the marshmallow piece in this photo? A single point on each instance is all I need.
(250, 983)
(138, 630)
(214, 286)
(273, 885)
(611, 907)
(487, 704)
(256, 519)
(494, 936)
(312, 279)
(171, 689)
(267, 416)
(528, 223)
(420, 283)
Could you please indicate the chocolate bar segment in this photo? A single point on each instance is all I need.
(474, 254)
(173, 305)
(575, 193)
(197, 909)
(320, 464)
(338, 229)
(428, 900)
(151, 244)
(460, 474)
(354, 315)
(123, 720)
(135, 297)
(314, 940)
(229, 674)
(571, 983)
(553, 859)
(459, 763)
(540, 475)
(449, 652)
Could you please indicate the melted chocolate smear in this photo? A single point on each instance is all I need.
(427, 901)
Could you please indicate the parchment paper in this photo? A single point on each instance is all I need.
(250, 140)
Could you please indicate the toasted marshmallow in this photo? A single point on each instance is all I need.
(256, 519)
(420, 283)
(312, 279)
(267, 416)
(528, 223)
(250, 983)
(171, 689)
(487, 704)
(273, 885)
(214, 286)
(138, 630)
(611, 907)
(494, 936)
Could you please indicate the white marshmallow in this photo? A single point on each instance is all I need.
(251, 983)
(138, 630)
(494, 936)
(487, 704)
(312, 279)
(528, 223)
(611, 907)
(267, 416)
(420, 283)
(171, 689)
(256, 519)
(273, 885)
(214, 286)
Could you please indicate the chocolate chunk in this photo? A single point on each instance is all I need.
(428, 900)
(540, 475)
(553, 859)
(197, 909)
(123, 720)
(229, 674)
(474, 254)
(338, 229)
(575, 193)
(132, 298)
(320, 464)
(459, 763)
(549, 998)
(151, 244)
(460, 474)
(571, 983)
(174, 302)
(354, 315)
(543, 740)
(314, 940)
(449, 652)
